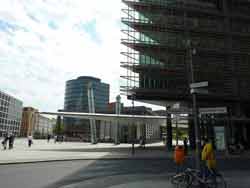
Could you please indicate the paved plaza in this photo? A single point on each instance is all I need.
(41, 150)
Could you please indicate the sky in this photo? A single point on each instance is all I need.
(44, 43)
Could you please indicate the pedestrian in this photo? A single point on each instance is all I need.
(143, 143)
(11, 141)
(185, 142)
(140, 141)
(4, 142)
(55, 138)
(30, 140)
(61, 138)
(48, 138)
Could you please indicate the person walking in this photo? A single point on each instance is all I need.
(140, 139)
(55, 138)
(4, 142)
(143, 143)
(11, 141)
(30, 140)
(48, 137)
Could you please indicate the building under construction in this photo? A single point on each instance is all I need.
(164, 37)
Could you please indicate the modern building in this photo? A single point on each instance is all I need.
(150, 131)
(10, 114)
(170, 41)
(126, 132)
(30, 119)
(44, 126)
(77, 100)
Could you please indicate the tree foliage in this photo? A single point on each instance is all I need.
(58, 129)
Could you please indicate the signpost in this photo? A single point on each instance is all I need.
(198, 88)
(195, 88)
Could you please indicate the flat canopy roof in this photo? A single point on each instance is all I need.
(129, 119)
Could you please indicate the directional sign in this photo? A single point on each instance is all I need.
(198, 85)
(199, 91)
(216, 110)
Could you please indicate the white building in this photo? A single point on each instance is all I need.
(10, 114)
(44, 125)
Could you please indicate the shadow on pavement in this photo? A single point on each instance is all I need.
(111, 149)
(106, 173)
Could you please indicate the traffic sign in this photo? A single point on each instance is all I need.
(216, 110)
(199, 91)
(198, 85)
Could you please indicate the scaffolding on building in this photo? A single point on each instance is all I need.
(155, 55)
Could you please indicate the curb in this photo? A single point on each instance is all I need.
(86, 159)
(103, 159)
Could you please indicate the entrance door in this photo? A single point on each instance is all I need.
(220, 138)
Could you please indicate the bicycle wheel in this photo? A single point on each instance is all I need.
(181, 180)
(220, 181)
(196, 180)
(216, 181)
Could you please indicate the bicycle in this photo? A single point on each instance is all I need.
(212, 179)
(182, 179)
(195, 178)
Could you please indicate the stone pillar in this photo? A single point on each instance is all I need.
(227, 131)
(144, 131)
(191, 132)
(91, 106)
(117, 126)
(169, 129)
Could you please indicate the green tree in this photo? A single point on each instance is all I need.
(37, 135)
(58, 129)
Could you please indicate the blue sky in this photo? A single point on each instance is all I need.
(43, 43)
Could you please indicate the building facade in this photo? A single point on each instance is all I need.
(10, 114)
(44, 126)
(126, 132)
(172, 43)
(30, 118)
(77, 100)
(151, 132)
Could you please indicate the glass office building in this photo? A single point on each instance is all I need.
(10, 114)
(76, 100)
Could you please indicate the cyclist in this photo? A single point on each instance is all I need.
(208, 157)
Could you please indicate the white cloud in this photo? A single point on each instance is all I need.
(45, 49)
